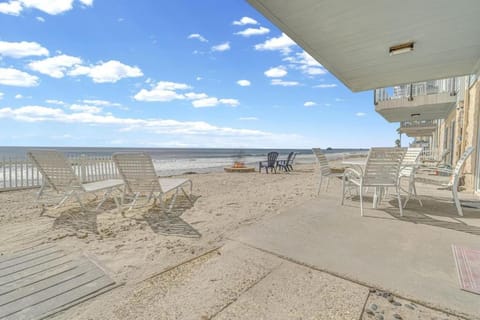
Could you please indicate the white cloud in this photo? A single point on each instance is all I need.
(222, 47)
(54, 101)
(339, 99)
(41, 19)
(1, 95)
(326, 85)
(253, 31)
(55, 67)
(306, 63)
(102, 103)
(14, 77)
(230, 102)
(244, 21)
(195, 96)
(280, 82)
(48, 6)
(314, 71)
(198, 78)
(88, 3)
(18, 96)
(360, 114)
(158, 126)
(243, 83)
(21, 49)
(110, 71)
(12, 8)
(197, 36)
(309, 104)
(52, 7)
(276, 72)
(213, 102)
(282, 44)
(248, 119)
(85, 108)
(164, 91)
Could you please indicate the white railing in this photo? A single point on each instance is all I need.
(418, 124)
(20, 173)
(411, 90)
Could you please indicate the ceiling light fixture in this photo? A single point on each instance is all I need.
(401, 48)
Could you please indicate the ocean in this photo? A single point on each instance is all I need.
(172, 161)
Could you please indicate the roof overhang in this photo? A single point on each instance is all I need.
(352, 38)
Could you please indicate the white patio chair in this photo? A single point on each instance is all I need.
(325, 171)
(138, 173)
(407, 170)
(381, 171)
(59, 175)
(454, 179)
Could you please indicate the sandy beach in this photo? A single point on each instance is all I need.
(185, 266)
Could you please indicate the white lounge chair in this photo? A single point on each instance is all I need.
(381, 171)
(454, 179)
(138, 173)
(407, 170)
(325, 171)
(59, 175)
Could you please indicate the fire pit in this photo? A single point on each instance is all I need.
(239, 166)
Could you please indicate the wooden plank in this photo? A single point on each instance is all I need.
(36, 274)
(35, 306)
(37, 285)
(24, 252)
(32, 263)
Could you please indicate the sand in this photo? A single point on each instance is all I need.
(183, 265)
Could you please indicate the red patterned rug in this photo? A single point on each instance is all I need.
(468, 268)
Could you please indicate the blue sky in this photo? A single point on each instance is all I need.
(153, 73)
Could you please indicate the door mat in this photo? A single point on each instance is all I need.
(468, 268)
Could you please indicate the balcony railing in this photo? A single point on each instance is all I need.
(412, 90)
(418, 124)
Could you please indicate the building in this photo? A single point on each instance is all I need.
(421, 58)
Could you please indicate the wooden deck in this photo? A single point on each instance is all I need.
(42, 280)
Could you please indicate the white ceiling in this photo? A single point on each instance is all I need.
(352, 38)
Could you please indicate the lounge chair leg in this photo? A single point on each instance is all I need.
(415, 193)
(320, 185)
(361, 200)
(399, 202)
(456, 200)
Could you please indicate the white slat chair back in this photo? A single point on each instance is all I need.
(412, 157)
(383, 166)
(461, 162)
(322, 161)
(138, 172)
(55, 169)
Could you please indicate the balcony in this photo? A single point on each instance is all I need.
(418, 128)
(428, 100)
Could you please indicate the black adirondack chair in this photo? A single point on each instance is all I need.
(286, 164)
(270, 163)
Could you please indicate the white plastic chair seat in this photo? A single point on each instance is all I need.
(172, 183)
(102, 185)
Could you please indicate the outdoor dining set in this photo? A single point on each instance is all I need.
(386, 168)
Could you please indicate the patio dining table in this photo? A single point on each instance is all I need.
(359, 165)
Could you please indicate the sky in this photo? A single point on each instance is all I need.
(152, 73)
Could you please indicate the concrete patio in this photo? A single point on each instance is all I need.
(410, 256)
